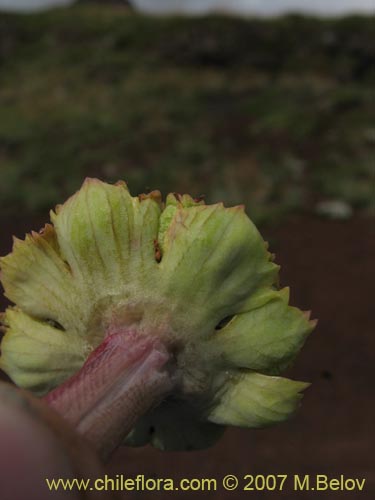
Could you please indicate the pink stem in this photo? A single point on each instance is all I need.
(121, 380)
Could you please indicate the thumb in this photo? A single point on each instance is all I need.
(37, 444)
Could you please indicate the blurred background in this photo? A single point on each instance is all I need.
(262, 103)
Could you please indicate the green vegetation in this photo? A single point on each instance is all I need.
(277, 114)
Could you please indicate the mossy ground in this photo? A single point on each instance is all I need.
(277, 114)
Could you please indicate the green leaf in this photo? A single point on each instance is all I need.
(37, 355)
(213, 259)
(255, 400)
(266, 338)
(175, 425)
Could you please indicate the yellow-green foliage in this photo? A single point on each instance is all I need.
(199, 277)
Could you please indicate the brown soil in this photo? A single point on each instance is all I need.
(329, 267)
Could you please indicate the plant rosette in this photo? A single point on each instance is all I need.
(150, 321)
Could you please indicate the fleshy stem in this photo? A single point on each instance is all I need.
(127, 375)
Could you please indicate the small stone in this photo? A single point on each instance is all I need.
(334, 209)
